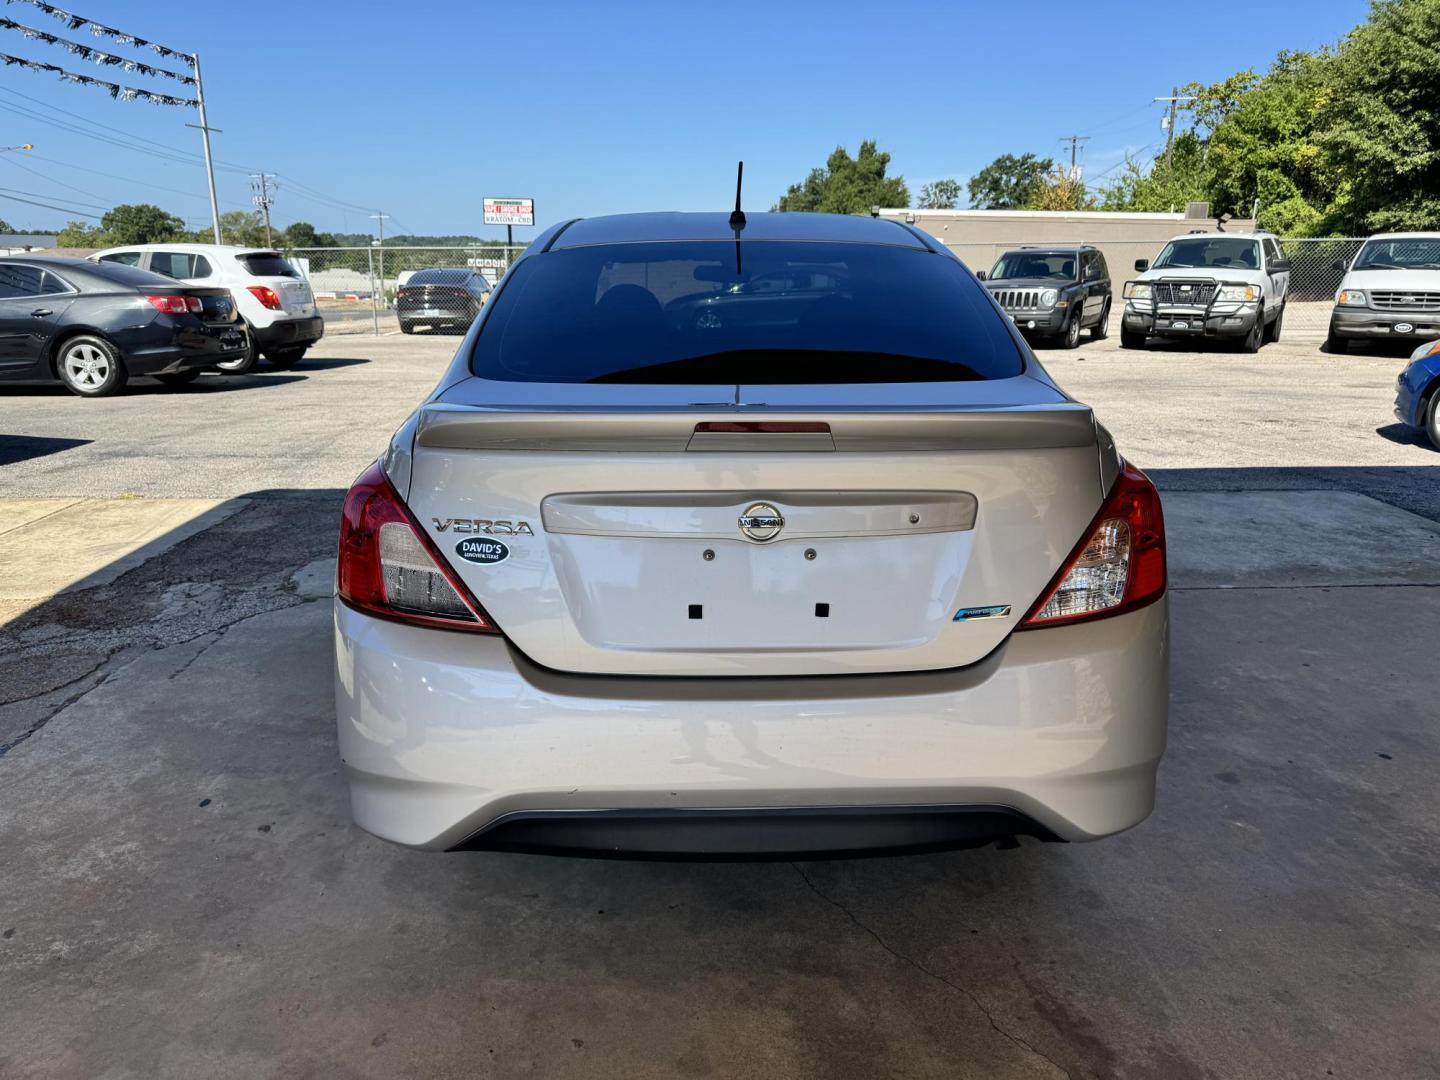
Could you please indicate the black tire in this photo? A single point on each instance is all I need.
(407, 328)
(1272, 332)
(284, 359)
(1432, 418)
(1101, 330)
(245, 363)
(1131, 340)
(1252, 341)
(1336, 344)
(180, 378)
(89, 366)
(1070, 336)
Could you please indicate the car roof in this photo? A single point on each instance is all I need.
(817, 228)
(1405, 236)
(50, 260)
(1225, 235)
(234, 249)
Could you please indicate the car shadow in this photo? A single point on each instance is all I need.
(143, 386)
(1405, 435)
(16, 448)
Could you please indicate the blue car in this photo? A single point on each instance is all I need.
(1417, 392)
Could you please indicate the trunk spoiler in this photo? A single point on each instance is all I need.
(631, 430)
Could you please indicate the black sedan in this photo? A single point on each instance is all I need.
(94, 325)
(443, 298)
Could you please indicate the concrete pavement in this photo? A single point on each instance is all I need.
(181, 891)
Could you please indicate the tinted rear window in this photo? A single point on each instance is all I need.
(267, 264)
(439, 277)
(753, 312)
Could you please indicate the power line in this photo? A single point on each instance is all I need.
(42, 176)
(50, 206)
(126, 180)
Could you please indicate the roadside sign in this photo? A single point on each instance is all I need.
(509, 211)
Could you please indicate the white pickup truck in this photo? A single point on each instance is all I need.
(1390, 292)
(1209, 285)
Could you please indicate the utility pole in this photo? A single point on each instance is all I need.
(1174, 99)
(380, 217)
(1074, 141)
(205, 130)
(262, 184)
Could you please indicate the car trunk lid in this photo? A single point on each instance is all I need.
(714, 538)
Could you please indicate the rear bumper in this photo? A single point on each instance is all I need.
(160, 347)
(435, 314)
(286, 332)
(1363, 323)
(450, 740)
(1237, 321)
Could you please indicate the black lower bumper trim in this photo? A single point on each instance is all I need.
(751, 834)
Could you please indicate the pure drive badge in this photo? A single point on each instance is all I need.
(479, 549)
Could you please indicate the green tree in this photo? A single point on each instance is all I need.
(1380, 130)
(243, 227)
(77, 234)
(140, 223)
(1156, 187)
(940, 195)
(1009, 182)
(848, 185)
(1060, 191)
(301, 234)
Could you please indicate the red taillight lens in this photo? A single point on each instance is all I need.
(388, 567)
(174, 305)
(266, 296)
(1118, 566)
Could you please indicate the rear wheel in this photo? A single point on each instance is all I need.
(1336, 344)
(246, 361)
(91, 367)
(1131, 340)
(1101, 330)
(1432, 418)
(283, 359)
(406, 328)
(1070, 336)
(179, 378)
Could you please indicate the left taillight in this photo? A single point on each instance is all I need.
(267, 296)
(176, 305)
(1118, 566)
(388, 567)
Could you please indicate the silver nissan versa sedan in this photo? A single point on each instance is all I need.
(748, 538)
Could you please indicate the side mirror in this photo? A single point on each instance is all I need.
(1280, 264)
(1141, 265)
(1339, 265)
(980, 274)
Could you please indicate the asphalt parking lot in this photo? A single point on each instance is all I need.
(182, 893)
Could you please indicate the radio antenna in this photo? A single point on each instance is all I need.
(737, 219)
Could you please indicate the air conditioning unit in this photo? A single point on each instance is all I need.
(1197, 211)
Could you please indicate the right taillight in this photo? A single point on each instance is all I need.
(1118, 566)
(266, 295)
(387, 566)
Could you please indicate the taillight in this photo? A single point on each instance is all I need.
(1118, 566)
(175, 305)
(388, 567)
(266, 296)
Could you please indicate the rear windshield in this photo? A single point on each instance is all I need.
(444, 276)
(267, 264)
(1051, 265)
(748, 312)
(124, 274)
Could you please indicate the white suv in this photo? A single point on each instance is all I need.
(1390, 291)
(271, 294)
(1209, 285)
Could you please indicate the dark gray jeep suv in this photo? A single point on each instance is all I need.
(1053, 291)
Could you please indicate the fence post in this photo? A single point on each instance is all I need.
(374, 315)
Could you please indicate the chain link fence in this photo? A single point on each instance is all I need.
(355, 286)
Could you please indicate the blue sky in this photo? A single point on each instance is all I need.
(423, 108)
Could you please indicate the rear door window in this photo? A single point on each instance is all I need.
(17, 280)
(761, 312)
(267, 264)
(180, 265)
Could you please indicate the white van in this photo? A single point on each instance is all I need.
(271, 295)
